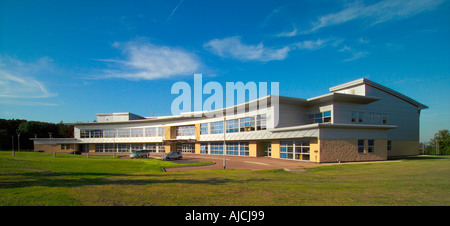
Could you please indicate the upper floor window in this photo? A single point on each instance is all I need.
(186, 131)
(261, 122)
(233, 126)
(247, 124)
(357, 117)
(216, 127)
(204, 128)
(323, 117)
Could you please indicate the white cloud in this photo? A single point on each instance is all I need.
(17, 78)
(379, 12)
(355, 54)
(148, 61)
(292, 33)
(233, 47)
(311, 45)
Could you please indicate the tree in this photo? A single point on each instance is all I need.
(442, 137)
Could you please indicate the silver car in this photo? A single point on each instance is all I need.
(140, 154)
(172, 155)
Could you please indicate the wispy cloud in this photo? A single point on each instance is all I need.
(379, 12)
(233, 47)
(312, 45)
(144, 60)
(292, 33)
(18, 80)
(355, 54)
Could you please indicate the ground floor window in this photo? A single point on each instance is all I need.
(232, 148)
(295, 149)
(152, 147)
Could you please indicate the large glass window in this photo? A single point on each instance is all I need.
(137, 132)
(124, 132)
(109, 133)
(233, 126)
(232, 148)
(186, 131)
(261, 122)
(204, 148)
(84, 133)
(216, 127)
(216, 148)
(247, 124)
(323, 117)
(151, 132)
(204, 128)
(297, 149)
(244, 149)
(96, 133)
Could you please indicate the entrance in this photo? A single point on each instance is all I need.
(186, 147)
(268, 148)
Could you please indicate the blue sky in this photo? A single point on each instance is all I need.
(67, 60)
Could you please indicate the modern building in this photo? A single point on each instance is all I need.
(357, 121)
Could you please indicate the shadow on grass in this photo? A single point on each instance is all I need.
(419, 157)
(31, 179)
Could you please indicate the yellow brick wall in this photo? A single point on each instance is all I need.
(347, 150)
(404, 148)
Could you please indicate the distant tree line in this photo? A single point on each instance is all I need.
(9, 128)
(439, 144)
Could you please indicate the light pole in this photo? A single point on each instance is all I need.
(50, 135)
(18, 141)
(224, 144)
(12, 138)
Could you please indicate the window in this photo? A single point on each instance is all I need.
(233, 126)
(161, 131)
(123, 148)
(151, 132)
(320, 117)
(216, 127)
(372, 117)
(247, 124)
(84, 133)
(65, 146)
(370, 146)
(124, 132)
(110, 148)
(216, 148)
(244, 149)
(204, 128)
(385, 119)
(232, 148)
(360, 146)
(360, 117)
(287, 149)
(99, 147)
(186, 131)
(96, 133)
(357, 117)
(109, 133)
(204, 149)
(261, 122)
(353, 116)
(137, 132)
(389, 145)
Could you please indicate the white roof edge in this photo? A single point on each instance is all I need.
(380, 87)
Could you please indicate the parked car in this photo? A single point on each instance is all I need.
(75, 152)
(172, 155)
(38, 151)
(140, 154)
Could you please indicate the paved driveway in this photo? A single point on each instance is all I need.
(236, 162)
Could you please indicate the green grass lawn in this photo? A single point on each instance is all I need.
(31, 179)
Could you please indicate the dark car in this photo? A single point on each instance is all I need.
(172, 155)
(38, 151)
(75, 152)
